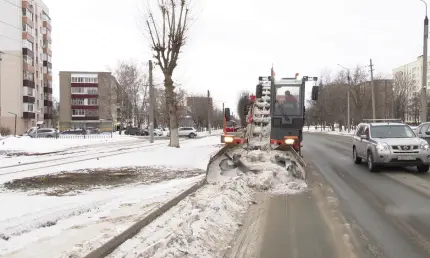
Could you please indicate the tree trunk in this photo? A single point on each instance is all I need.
(171, 105)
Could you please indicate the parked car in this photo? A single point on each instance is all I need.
(190, 132)
(77, 131)
(41, 132)
(134, 131)
(390, 144)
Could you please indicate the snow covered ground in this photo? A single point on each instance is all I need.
(44, 219)
(328, 131)
(203, 224)
(27, 145)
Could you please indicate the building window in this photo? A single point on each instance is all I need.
(78, 112)
(77, 90)
(92, 101)
(28, 76)
(27, 44)
(91, 113)
(78, 101)
(30, 107)
(28, 60)
(27, 28)
(93, 91)
(29, 91)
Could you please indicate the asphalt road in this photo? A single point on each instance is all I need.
(348, 211)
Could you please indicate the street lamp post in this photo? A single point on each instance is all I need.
(423, 114)
(348, 104)
(15, 122)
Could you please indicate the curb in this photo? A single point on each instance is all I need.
(130, 232)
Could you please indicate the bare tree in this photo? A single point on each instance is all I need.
(198, 107)
(402, 91)
(242, 102)
(167, 39)
(130, 91)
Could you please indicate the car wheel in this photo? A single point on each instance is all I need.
(357, 160)
(371, 163)
(423, 168)
(192, 135)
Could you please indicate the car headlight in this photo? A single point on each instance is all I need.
(382, 147)
(424, 146)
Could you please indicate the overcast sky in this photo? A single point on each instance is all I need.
(232, 42)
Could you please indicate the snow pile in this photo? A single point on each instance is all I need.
(202, 225)
(26, 144)
(272, 177)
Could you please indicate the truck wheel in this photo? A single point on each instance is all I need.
(423, 168)
(357, 160)
(371, 163)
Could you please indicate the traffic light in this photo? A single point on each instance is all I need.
(227, 114)
(259, 91)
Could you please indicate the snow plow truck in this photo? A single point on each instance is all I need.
(275, 115)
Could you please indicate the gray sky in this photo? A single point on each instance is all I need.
(232, 42)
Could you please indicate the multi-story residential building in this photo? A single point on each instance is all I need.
(412, 72)
(410, 75)
(26, 67)
(88, 99)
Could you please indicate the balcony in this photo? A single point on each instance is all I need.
(47, 50)
(47, 38)
(28, 52)
(83, 84)
(27, 36)
(28, 115)
(47, 116)
(47, 25)
(47, 90)
(26, 20)
(27, 5)
(47, 77)
(28, 99)
(29, 68)
(93, 107)
(47, 103)
(28, 83)
(47, 64)
(85, 118)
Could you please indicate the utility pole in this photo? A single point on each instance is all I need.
(348, 124)
(1, 53)
(372, 85)
(209, 113)
(151, 105)
(423, 114)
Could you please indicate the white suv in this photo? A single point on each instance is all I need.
(186, 131)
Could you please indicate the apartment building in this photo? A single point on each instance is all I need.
(88, 100)
(26, 66)
(412, 72)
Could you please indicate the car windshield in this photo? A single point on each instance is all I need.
(392, 131)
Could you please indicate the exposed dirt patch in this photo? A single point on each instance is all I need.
(71, 183)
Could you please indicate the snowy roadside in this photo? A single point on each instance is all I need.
(203, 224)
(26, 145)
(328, 131)
(69, 210)
(71, 226)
